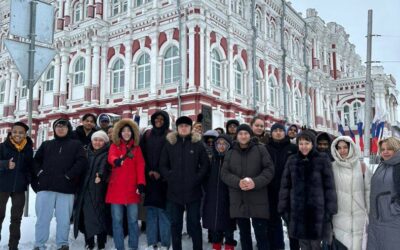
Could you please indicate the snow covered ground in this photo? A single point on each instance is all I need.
(28, 234)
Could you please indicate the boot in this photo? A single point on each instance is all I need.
(229, 247)
(216, 246)
(65, 247)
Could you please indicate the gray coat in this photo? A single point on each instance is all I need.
(384, 217)
(254, 162)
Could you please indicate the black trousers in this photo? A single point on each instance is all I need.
(17, 209)
(260, 227)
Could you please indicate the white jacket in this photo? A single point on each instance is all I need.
(352, 190)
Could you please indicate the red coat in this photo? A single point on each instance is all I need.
(124, 179)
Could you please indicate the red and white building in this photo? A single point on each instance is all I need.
(120, 56)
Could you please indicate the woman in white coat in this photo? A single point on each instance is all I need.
(352, 187)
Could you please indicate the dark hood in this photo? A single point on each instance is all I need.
(226, 138)
(324, 135)
(165, 127)
(233, 121)
(69, 134)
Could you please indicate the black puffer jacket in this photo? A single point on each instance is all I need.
(307, 198)
(79, 134)
(216, 201)
(152, 143)
(91, 198)
(253, 162)
(59, 164)
(184, 164)
(279, 152)
(17, 179)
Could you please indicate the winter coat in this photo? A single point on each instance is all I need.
(216, 200)
(384, 216)
(329, 138)
(125, 179)
(264, 138)
(253, 162)
(90, 209)
(352, 190)
(184, 164)
(80, 135)
(17, 179)
(152, 143)
(279, 152)
(59, 165)
(307, 198)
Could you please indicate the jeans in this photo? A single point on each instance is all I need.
(260, 231)
(17, 208)
(158, 224)
(46, 203)
(175, 212)
(133, 227)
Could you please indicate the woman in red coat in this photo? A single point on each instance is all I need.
(127, 181)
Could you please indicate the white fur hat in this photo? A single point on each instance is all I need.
(101, 134)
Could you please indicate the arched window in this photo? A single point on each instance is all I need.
(297, 103)
(171, 65)
(240, 8)
(273, 32)
(287, 43)
(356, 107)
(215, 68)
(238, 78)
(124, 5)
(78, 12)
(85, 9)
(268, 28)
(141, 2)
(258, 21)
(143, 71)
(2, 91)
(119, 6)
(346, 115)
(118, 76)
(79, 72)
(49, 80)
(257, 93)
(24, 89)
(233, 6)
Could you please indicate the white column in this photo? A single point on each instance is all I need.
(203, 54)
(160, 69)
(63, 80)
(231, 79)
(133, 84)
(56, 86)
(154, 76)
(95, 73)
(207, 61)
(7, 95)
(36, 97)
(104, 79)
(14, 81)
(185, 59)
(130, 7)
(60, 8)
(191, 60)
(88, 75)
(128, 61)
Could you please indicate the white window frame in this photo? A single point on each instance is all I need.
(170, 64)
(216, 72)
(238, 76)
(2, 91)
(143, 69)
(346, 115)
(355, 110)
(79, 72)
(78, 10)
(118, 76)
(49, 80)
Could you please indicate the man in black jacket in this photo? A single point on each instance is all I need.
(58, 166)
(184, 165)
(84, 132)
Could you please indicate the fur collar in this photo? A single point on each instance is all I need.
(122, 123)
(172, 137)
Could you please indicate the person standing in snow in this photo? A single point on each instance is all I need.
(15, 168)
(127, 181)
(58, 166)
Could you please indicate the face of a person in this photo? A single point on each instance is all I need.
(305, 147)
(258, 127)
(61, 130)
(98, 143)
(104, 124)
(323, 145)
(278, 134)
(88, 123)
(232, 129)
(221, 145)
(343, 149)
(159, 121)
(292, 132)
(126, 134)
(210, 142)
(109, 133)
(198, 128)
(18, 134)
(243, 137)
(386, 152)
(184, 130)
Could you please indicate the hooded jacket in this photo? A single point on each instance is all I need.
(352, 189)
(184, 165)
(17, 179)
(253, 162)
(59, 164)
(384, 216)
(79, 134)
(329, 138)
(152, 143)
(125, 179)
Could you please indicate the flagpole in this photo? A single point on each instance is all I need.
(368, 91)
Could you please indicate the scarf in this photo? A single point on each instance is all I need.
(19, 146)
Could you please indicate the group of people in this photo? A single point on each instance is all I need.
(100, 177)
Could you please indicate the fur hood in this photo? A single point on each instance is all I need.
(354, 150)
(172, 137)
(122, 123)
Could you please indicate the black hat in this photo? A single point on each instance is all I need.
(308, 135)
(21, 124)
(245, 127)
(183, 120)
(62, 121)
(276, 126)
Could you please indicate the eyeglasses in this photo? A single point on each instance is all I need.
(61, 126)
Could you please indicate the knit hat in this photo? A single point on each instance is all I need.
(276, 126)
(102, 135)
(308, 135)
(183, 120)
(21, 124)
(245, 127)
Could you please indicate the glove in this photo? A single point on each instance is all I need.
(141, 189)
(118, 162)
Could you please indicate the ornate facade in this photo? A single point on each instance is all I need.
(120, 56)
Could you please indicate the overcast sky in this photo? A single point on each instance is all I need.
(352, 15)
